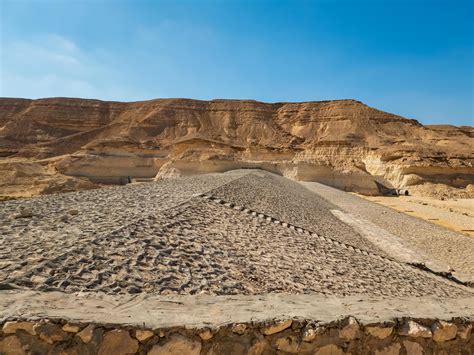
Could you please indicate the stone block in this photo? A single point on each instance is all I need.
(415, 330)
(143, 335)
(464, 331)
(12, 327)
(412, 348)
(50, 333)
(177, 344)
(380, 332)
(391, 349)
(330, 349)
(444, 331)
(288, 344)
(277, 327)
(118, 342)
(11, 345)
(350, 331)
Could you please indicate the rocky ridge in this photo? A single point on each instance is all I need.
(63, 144)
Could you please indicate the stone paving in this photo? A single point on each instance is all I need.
(171, 237)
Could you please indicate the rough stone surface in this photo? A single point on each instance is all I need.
(351, 330)
(90, 334)
(392, 349)
(464, 331)
(276, 327)
(143, 335)
(330, 349)
(415, 330)
(205, 334)
(71, 328)
(239, 328)
(50, 333)
(310, 333)
(52, 339)
(258, 347)
(379, 332)
(177, 344)
(11, 345)
(443, 331)
(118, 342)
(289, 344)
(412, 348)
(12, 327)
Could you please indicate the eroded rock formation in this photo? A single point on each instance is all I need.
(75, 143)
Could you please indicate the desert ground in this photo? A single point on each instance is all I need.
(234, 233)
(456, 214)
(245, 261)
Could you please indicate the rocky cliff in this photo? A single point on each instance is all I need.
(62, 144)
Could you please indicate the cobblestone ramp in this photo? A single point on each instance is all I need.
(204, 246)
(288, 201)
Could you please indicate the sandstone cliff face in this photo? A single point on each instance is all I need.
(342, 143)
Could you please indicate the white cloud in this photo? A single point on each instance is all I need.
(52, 65)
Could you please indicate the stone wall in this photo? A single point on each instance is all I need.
(346, 336)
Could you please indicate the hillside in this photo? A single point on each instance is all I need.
(64, 144)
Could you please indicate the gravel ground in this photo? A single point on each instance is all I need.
(161, 238)
(455, 249)
(288, 201)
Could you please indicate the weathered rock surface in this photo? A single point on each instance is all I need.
(443, 331)
(59, 144)
(276, 327)
(177, 344)
(415, 330)
(118, 342)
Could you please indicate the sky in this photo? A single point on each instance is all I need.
(414, 58)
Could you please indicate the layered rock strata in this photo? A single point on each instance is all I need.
(342, 143)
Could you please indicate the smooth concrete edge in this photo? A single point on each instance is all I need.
(214, 311)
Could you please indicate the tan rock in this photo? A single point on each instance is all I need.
(412, 348)
(239, 328)
(73, 212)
(118, 342)
(392, 349)
(277, 327)
(71, 328)
(50, 333)
(350, 331)
(379, 332)
(330, 349)
(90, 334)
(12, 327)
(415, 330)
(310, 333)
(205, 334)
(176, 345)
(289, 344)
(258, 347)
(464, 331)
(143, 335)
(11, 345)
(443, 331)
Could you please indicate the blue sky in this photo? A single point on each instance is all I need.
(410, 57)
